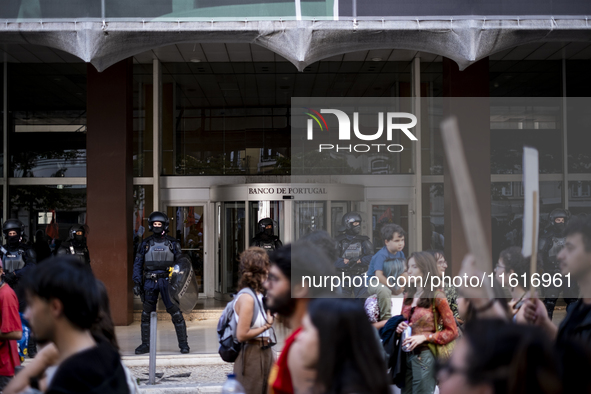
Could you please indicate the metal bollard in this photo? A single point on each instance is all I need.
(153, 340)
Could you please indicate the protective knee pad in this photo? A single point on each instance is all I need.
(173, 309)
(149, 308)
(145, 317)
(177, 317)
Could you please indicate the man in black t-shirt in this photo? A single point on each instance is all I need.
(63, 303)
(573, 336)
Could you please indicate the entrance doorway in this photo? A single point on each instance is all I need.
(187, 225)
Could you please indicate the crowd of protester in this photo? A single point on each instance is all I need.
(447, 339)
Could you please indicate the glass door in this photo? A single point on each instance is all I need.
(308, 216)
(231, 237)
(187, 225)
(384, 214)
(338, 209)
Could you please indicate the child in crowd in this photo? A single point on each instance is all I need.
(393, 237)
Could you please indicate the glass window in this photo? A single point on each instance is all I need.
(266, 209)
(507, 211)
(47, 103)
(143, 202)
(433, 219)
(579, 197)
(578, 119)
(524, 78)
(308, 216)
(143, 141)
(519, 122)
(234, 118)
(34, 204)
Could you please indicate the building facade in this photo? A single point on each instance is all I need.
(114, 109)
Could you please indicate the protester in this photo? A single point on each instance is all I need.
(39, 372)
(573, 336)
(450, 290)
(10, 331)
(338, 342)
(289, 298)
(393, 237)
(393, 269)
(420, 303)
(500, 358)
(256, 356)
(63, 302)
(515, 269)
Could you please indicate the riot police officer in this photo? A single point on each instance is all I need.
(266, 237)
(355, 252)
(551, 243)
(154, 257)
(76, 244)
(17, 257)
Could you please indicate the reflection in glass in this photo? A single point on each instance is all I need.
(338, 209)
(266, 209)
(232, 243)
(187, 226)
(519, 122)
(507, 211)
(47, 137)
(433, 219)
(234, 118)
(309, 216)
(142, 120)
(31, 204)
(579, 198)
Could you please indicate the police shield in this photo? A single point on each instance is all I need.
(182, 286)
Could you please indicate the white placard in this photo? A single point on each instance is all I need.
(531, 211)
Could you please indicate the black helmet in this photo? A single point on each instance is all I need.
(158, 217)
(73, 230)
(348, 220)
(263, 223)
(559, 213)
(13, 224)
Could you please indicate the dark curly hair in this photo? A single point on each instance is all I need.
(254, 267)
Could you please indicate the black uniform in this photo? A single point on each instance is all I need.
(17, 259)
(155, 255)
(551, 243)
(266, 238)
(71, 248)
(355, 248)
(76, 244)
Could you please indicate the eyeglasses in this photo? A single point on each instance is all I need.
(499, 266)
(444, 370)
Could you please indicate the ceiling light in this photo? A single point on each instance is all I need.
(376, 59)
(195, 60)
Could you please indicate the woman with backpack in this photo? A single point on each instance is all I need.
(423, 308)
(256, 356)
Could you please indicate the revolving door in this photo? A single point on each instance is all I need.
(295, 211)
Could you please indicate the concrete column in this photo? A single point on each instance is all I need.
(110, 182)
(474, 123)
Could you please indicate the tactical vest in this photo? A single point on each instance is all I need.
(79, 253)
(352, 251)
(159, 255)
(13, 260)
(269, 246)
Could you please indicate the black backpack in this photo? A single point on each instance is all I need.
(229, 345)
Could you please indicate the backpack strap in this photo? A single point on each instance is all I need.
(257, 308)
